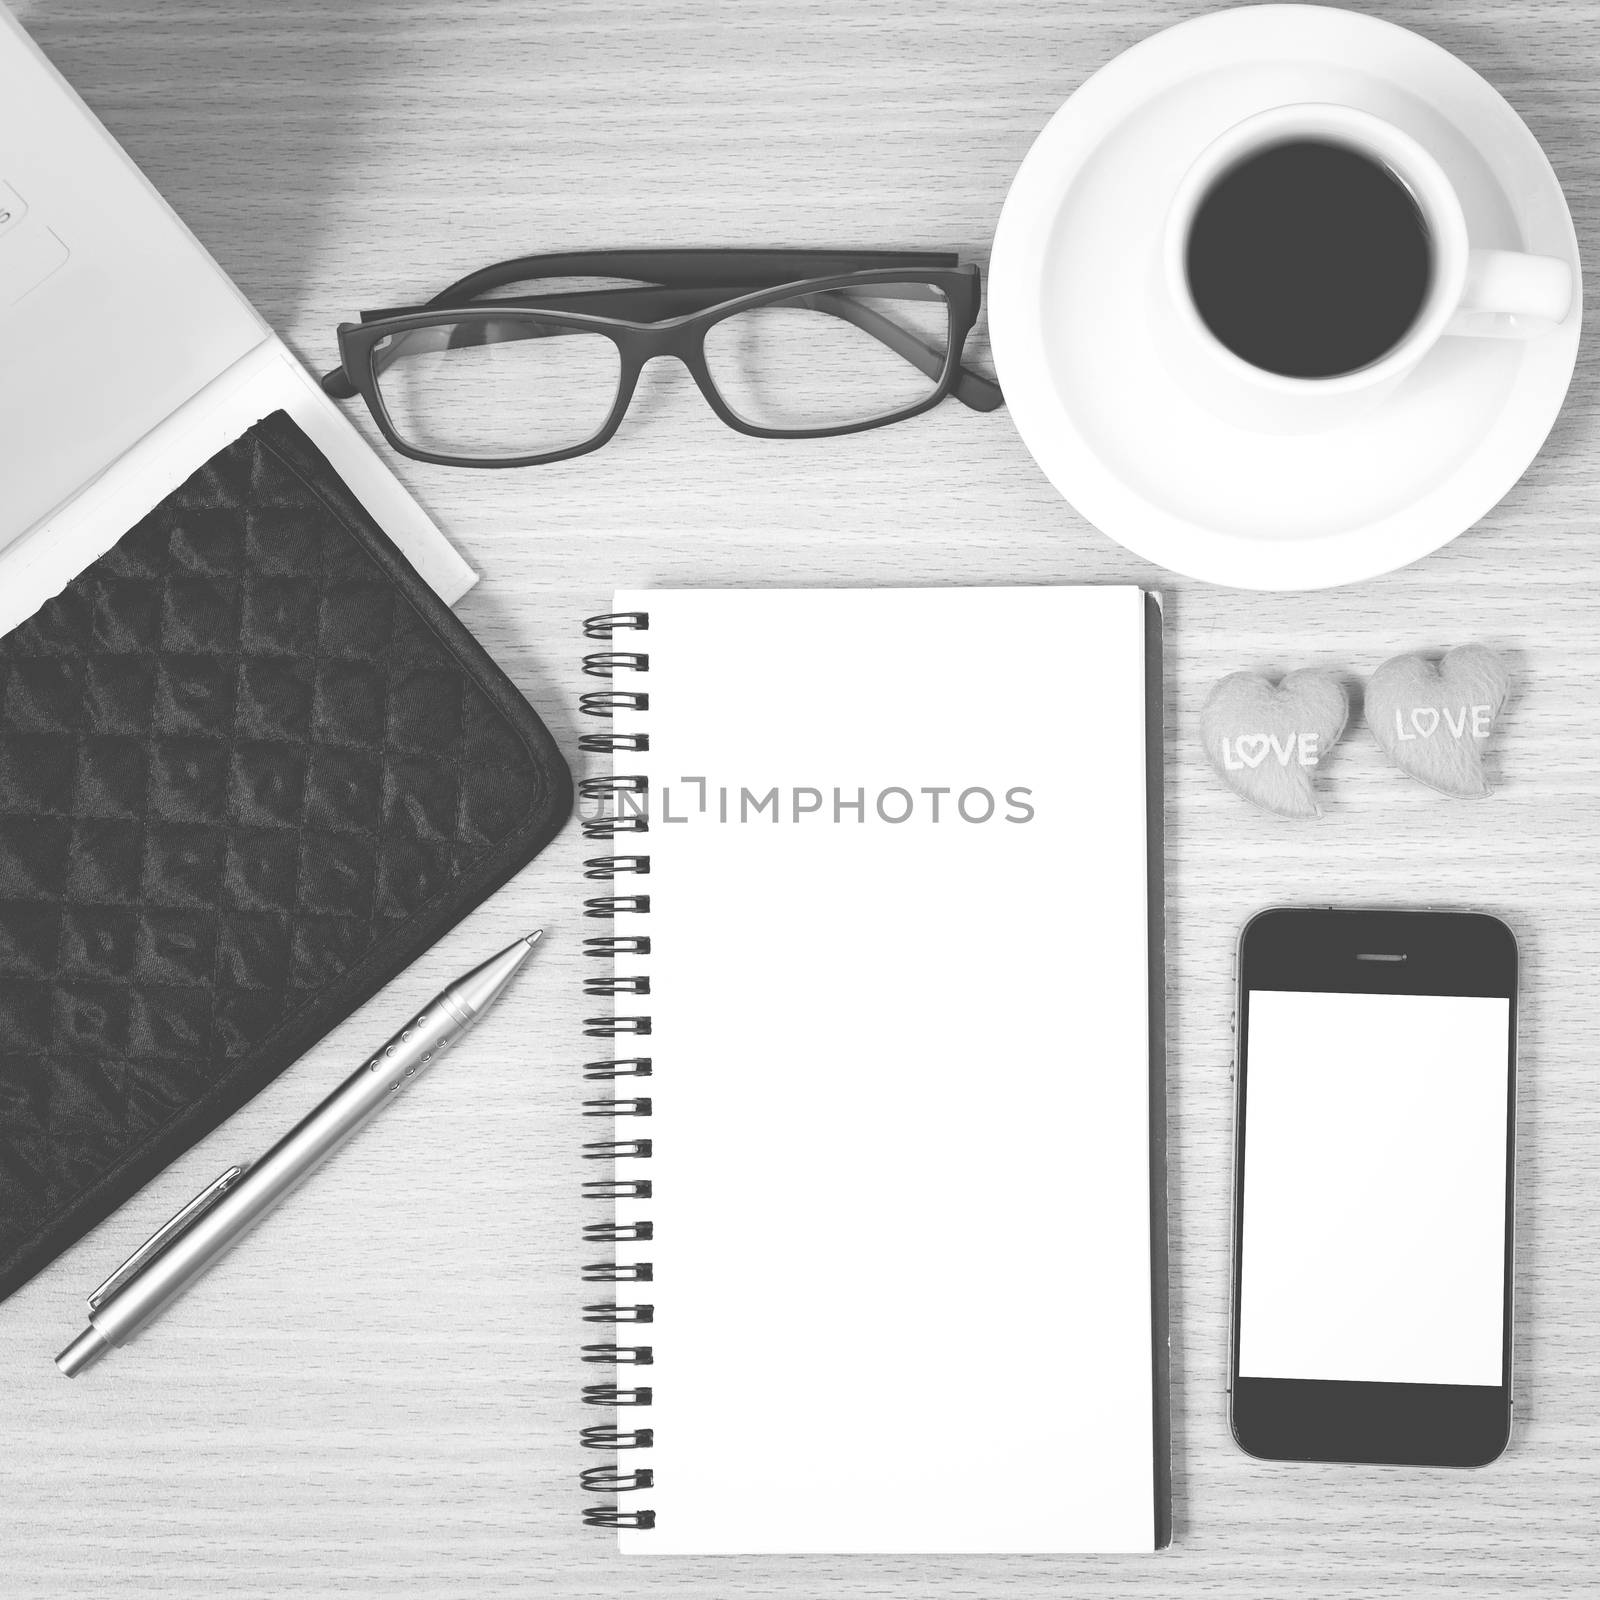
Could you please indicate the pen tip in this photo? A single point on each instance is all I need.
(534, 937)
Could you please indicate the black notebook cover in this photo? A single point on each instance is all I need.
(250, 767)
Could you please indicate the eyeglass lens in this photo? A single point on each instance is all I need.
(488, 390)
(831, 357)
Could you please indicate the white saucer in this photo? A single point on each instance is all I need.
(1092, 396)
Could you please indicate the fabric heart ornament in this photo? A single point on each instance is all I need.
(1434, 721)
(1266, 743)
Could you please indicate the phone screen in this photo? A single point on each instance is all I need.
(1372, 1245)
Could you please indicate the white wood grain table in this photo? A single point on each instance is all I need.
(378, 1393)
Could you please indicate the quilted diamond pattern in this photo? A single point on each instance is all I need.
(242, 759)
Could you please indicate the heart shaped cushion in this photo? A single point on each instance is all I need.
(1434, 721)
(1266, 743)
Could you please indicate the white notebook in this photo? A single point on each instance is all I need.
(885, 897)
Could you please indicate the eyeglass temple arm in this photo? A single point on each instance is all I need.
(711, 268)
(337, 385)
(971, 388)
(641, 302)
(692, 269)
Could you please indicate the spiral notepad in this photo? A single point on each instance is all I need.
(878, 1198)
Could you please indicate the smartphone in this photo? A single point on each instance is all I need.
(1373, 1187)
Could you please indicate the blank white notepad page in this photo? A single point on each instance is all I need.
(901, 1118)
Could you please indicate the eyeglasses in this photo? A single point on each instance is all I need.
(784, 344)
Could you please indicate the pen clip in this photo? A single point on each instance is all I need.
(179, 1223)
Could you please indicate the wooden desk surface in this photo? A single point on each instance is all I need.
(379, 1393)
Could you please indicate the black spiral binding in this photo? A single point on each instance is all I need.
(623, 810)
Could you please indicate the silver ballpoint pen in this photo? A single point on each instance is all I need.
(183, 1247)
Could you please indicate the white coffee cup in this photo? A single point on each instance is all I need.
(1472, 293)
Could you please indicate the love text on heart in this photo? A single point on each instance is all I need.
(1249, 750)
(1425, 722)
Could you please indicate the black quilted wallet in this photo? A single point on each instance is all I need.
(250, 767)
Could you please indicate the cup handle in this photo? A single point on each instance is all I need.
(1512, 296)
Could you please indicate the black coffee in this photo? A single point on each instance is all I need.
(1309, 259)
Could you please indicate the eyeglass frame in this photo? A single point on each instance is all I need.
(758, 277)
